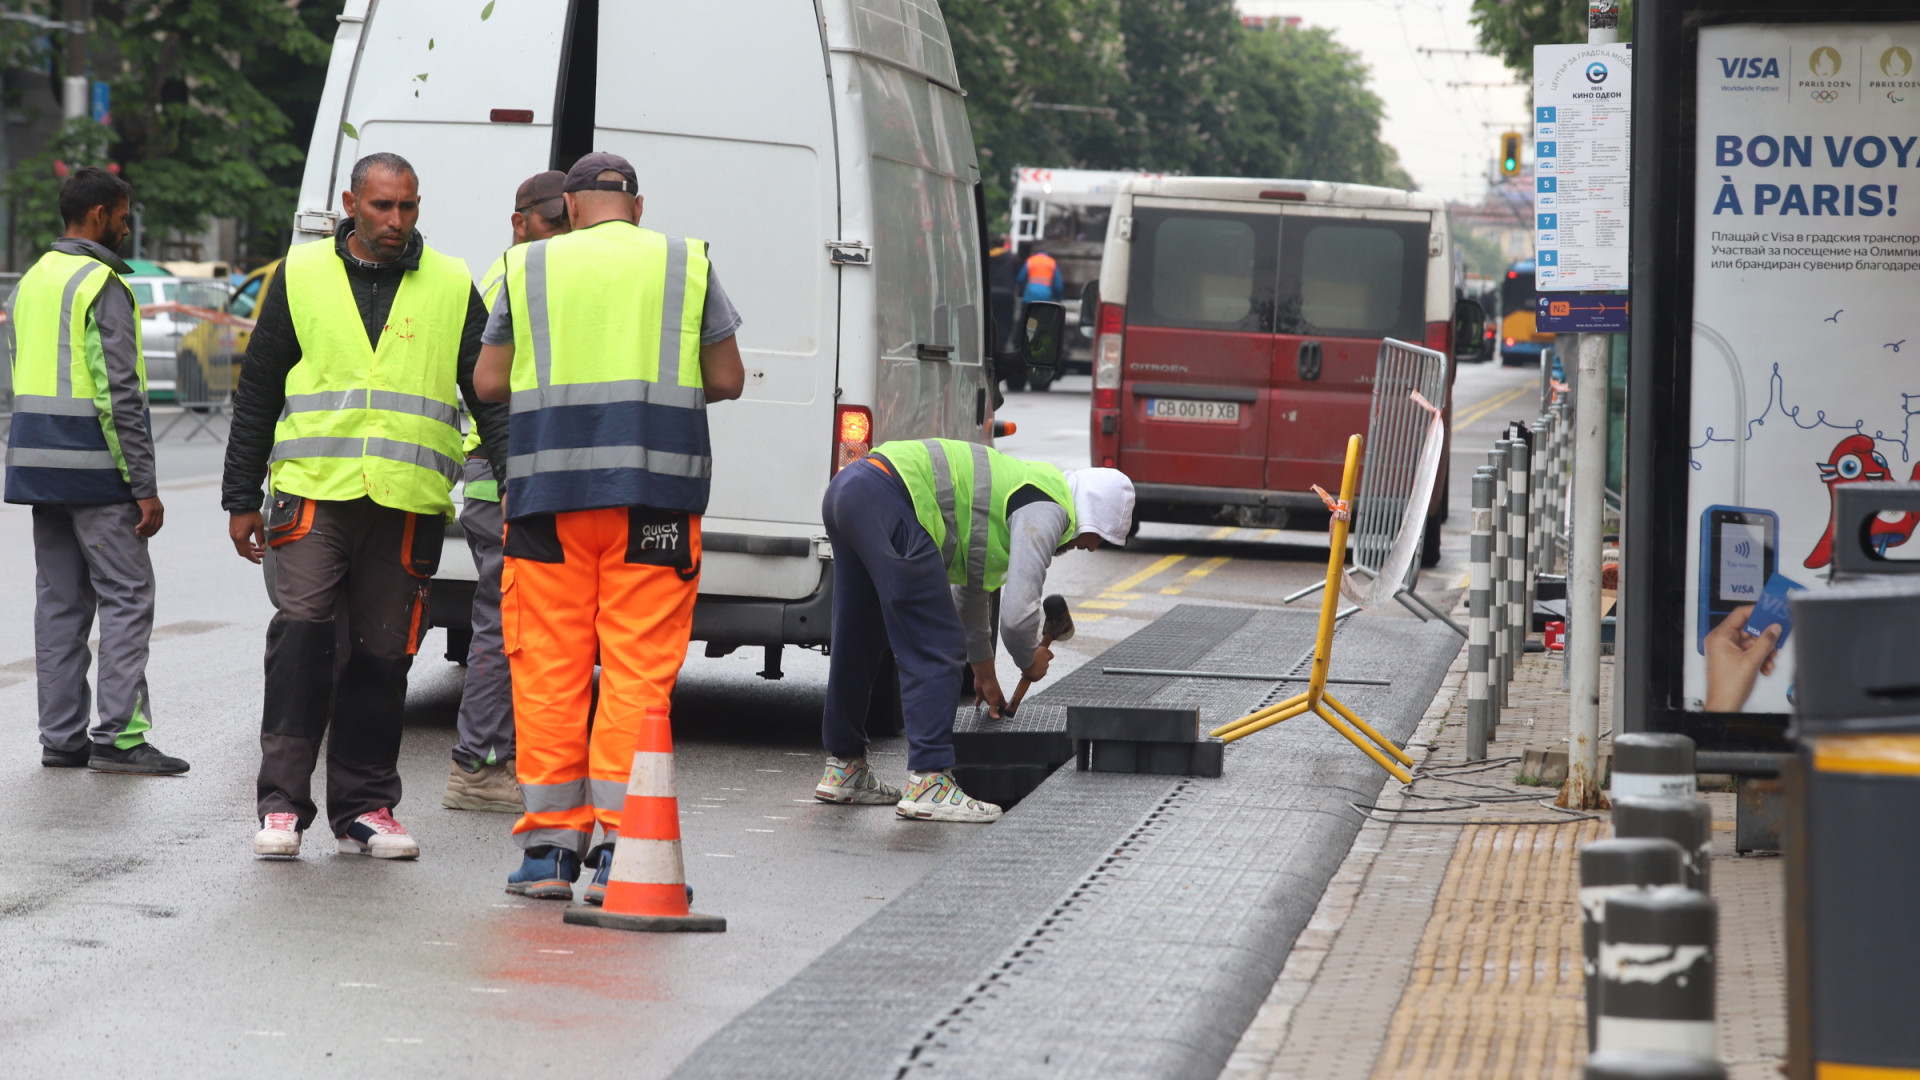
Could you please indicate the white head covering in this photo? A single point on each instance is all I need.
(1102, 503)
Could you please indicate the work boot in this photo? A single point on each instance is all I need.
(601, 859)
(143, 758)
(936, 796)
(489, 787)
(65, 759)
(853, 783)
(279, 836)
(546, 873)
(378, 835)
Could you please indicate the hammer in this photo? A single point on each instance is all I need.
(1058, 627)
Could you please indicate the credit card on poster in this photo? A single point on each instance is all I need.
(1772, 610)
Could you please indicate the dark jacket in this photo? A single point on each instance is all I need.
(274, 349)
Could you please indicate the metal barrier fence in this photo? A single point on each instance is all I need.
(1405, 435)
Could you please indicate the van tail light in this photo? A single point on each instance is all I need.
(1107, 349)
(852, 434)
(1439, 338)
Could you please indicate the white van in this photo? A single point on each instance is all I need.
(822, 150)
(1238, 329)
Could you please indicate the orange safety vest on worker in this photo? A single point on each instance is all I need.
(606, 482)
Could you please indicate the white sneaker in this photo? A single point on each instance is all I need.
(279, 835)
(378, 835)
(852, 782)
(937, 797)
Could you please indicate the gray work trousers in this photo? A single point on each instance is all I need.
(350, 581)
(485, 725)
(88, 558)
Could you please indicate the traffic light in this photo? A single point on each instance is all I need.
(1510, 154)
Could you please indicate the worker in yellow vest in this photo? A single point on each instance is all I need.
(80, 452)
(923, 531)
(610, 342)
(350, 400)
(482, 774)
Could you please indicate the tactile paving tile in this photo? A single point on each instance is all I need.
(1113, 925)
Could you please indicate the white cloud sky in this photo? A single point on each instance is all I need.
(1442, 132)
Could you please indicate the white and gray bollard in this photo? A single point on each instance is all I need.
(1653, 764)
(1536, 504)
(1657, 972)
(1517, 566)
(1638, 1065)
(1685, 821)
(1497, 459)
(1607, 867)
(1480, 707)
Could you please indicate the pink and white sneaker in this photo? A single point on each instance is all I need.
(378, 835)
(279, 835)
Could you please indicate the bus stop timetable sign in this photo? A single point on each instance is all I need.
(1582, 98)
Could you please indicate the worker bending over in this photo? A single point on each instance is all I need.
(609, 342)
(350, 399)
(922, 532)
(482, 774)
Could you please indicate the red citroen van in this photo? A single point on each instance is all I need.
(1238, 326)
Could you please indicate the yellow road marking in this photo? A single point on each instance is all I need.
(1104, 605)
(1086, 617)
(1163, 563)
(1481, 411)
(1222, 534)
(1193, 576)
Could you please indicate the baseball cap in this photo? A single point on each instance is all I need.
(585, 172)
(538, 188)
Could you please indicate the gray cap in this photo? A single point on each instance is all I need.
(584, 176)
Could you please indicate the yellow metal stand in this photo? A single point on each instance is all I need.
(1316, 699)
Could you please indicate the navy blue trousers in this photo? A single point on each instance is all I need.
(889, 592)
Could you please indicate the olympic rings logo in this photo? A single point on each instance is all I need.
(1824, 96)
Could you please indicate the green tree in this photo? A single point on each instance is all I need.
(1509, 29)
(193, 129)
(1302, 109)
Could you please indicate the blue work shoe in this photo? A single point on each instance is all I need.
(546, 873)
(601, 859)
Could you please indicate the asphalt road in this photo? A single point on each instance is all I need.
(143, 939)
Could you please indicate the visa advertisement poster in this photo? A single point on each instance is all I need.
(1806, 345)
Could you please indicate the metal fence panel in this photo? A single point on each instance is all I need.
(205, 346)
(1391, 471)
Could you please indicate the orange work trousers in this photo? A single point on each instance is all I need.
(615, 584)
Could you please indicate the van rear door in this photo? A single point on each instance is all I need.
(473, 113)
(1347, 279)
(1199, 355)
(728, 120)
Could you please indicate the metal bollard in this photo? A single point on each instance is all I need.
(1637, 1065)
(1537, 487)
(1479, 617)
(1606, 868)
(1653, 764)
(1657, 972)
(1497, 458)
(1519, 461)
(1687, 822)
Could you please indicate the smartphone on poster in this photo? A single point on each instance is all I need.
(1739, 553)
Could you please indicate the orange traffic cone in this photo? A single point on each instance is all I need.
(647, 886)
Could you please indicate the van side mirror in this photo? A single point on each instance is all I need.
(1470, 342)
(1043, 335)
(1090, 306)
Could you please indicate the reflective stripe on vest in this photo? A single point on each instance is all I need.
(62, 445)
(949, 480)
(364, 421)
(608, 408)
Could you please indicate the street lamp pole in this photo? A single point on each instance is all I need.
(77, 87)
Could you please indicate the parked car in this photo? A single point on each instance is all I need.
(1238, 328)
(211, 353)
(160, 330)
(827, 160)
